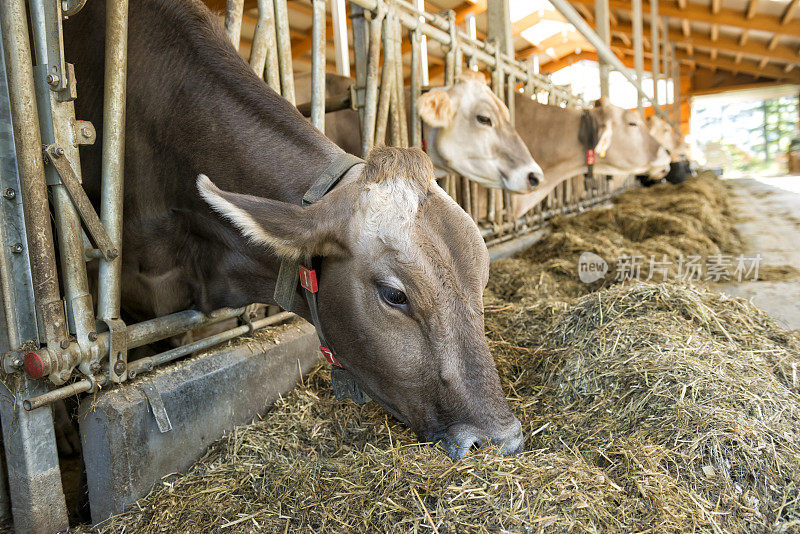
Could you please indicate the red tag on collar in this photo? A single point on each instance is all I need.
(308, 279)
(329, 357)
(590, 157)
(424, 146)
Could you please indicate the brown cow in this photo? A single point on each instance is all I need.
(402, 267)
(625, 146)
(466, 129)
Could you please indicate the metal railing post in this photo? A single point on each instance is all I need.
(654, 47)
(638, 50)
(342, 51)
(416, 88)
(318, 65)
(34, 477)
(234, 9)
(604, 32)
(284, 44)
(263, 55)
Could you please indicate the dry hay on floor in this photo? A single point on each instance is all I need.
(663, 222)
(657, 408)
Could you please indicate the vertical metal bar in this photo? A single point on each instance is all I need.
(284, 50)
(27, 136)
(340, 44)
(665, 54)
(423, 41)
(638, 50)
(264, 56)
(234, 10)
(399, 80)
(318, 66)
(654, 45)
(676, 90)
(472, 31)
(371, 97)
(19, 306)
(56, 122)
(113, 162)
(386, 90)
(416, 89)
(34, 477)
(360, 52)
(604, 32)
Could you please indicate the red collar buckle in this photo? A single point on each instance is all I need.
(590, 157)
(329, 357)
(308, 279)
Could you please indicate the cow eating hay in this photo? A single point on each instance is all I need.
(645, 407)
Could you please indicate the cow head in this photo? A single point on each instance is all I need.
(671, 140)
(625, 144)
(469, 132)
(400, 294)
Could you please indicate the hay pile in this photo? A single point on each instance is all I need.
(658, 408)
(663, 222)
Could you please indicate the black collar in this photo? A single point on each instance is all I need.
(588, 133)
(304, 273)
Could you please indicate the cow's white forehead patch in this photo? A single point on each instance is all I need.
(388, 210)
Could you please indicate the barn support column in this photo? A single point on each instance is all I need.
(34, 477)
(654, 45)
(638, 51)
(604, 32)
(676, 91)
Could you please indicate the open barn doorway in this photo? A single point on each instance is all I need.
(750, 131)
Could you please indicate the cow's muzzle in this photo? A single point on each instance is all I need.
(461, 440)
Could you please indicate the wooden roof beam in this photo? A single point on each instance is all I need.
(724, 43)
(788, 13)
(725, 16)
(751, 9)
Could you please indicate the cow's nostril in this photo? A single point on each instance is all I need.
(533, 179)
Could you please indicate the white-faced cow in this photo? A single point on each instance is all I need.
(401, 266)
(552, 133)
(466, 130)
(678, 150)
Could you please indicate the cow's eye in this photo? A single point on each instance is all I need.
(633, 124)
(393, 297)
(483, 119)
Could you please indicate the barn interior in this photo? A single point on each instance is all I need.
(644, 325)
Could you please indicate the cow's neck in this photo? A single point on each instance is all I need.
(551, 133)
(194, 106)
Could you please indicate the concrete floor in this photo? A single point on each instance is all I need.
(769, 209)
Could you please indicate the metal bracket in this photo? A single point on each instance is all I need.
(157, 407)
(117, 350)
(71, 7)
(83, 133)
(345, 387)
(88, 215)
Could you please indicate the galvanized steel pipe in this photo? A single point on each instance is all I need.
(25, 120)
(284, 44)
(113, 162)
(318, 65)
(234, 9)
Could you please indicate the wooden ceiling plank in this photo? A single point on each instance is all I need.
(788, 13)
(725, 16)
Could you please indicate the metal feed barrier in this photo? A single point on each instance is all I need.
(66, 337)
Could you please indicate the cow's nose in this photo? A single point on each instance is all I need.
(461, 442)
(534, 179)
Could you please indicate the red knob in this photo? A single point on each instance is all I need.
(34, 365)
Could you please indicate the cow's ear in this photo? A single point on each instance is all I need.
(606, 131)
(292, 231)
(437, 108)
